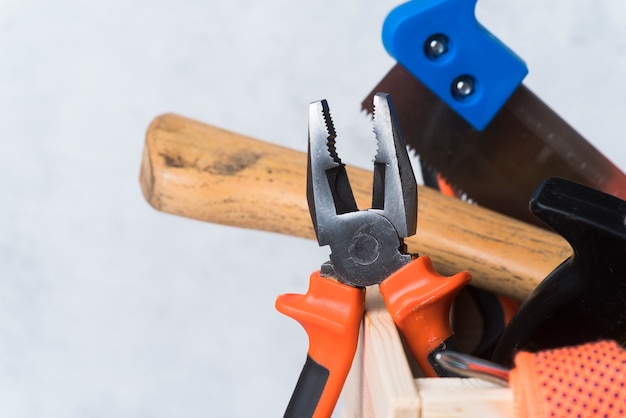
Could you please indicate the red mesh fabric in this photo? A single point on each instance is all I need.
(582, 381)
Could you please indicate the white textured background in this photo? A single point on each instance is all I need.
(109, 308)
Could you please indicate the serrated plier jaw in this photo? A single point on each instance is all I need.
(366, 246)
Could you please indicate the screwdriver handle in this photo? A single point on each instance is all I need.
(207, 173)
(419, 301)
(330, 313)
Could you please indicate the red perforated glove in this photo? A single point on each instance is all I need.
(583, 381)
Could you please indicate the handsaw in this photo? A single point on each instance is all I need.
(494, 154)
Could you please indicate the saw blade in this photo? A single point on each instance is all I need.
(499, 167)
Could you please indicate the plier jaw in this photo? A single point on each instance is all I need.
(395, 189)
(366, 246)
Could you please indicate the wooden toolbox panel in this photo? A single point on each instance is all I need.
(382, 385)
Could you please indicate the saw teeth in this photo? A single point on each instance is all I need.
(416, 164)
(464, 197)
(458, 192)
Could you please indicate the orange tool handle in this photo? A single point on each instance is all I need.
(331, 314)
(419, 300)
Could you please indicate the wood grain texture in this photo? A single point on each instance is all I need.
(381, 384)
(202, 172)
(388, 386)
(464, 398)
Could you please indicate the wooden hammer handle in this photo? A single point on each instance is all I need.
(203, 172)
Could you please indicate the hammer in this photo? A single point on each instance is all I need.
(202, 172)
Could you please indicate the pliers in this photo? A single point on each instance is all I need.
(367, 249)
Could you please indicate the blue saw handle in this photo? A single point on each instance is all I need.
(462, 51)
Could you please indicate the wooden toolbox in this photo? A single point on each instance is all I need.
(382, 383)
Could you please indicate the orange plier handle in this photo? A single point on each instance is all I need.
(330, 312)
(418, 299)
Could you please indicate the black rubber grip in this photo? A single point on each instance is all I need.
(308, 390)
